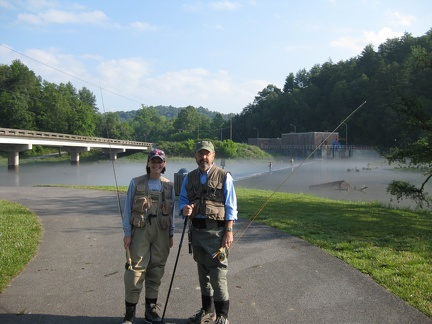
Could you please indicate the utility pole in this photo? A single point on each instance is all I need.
(231, 126)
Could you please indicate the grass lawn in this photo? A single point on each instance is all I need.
(20, 232)
(393, 246)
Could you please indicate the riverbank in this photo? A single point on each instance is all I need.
(373, 175)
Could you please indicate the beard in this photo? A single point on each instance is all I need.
(204, 164)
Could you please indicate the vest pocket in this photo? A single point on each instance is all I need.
(211, 212)
(138, 220)
(141, 203)
(164, 218)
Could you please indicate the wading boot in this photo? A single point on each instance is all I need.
(206, 314)
(130, 315)
(151, 314)
(201, 317)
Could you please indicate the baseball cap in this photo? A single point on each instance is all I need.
(204, 145)
(156, 153)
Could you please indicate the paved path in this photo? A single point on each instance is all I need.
(77, 274)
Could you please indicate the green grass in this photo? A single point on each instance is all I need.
(20, 232)
(393, 246)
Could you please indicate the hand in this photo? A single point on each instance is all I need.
(227, 239)
(187, 210)
(127, 241)
(171, 242)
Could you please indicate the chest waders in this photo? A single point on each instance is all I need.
(151, 217)
(206, 236)
(201, 199)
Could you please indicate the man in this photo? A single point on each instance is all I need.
(208, 197)
(148, 225)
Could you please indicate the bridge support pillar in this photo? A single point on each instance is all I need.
(13, 160)
(75, 153)
(13, 153)
(113, 152)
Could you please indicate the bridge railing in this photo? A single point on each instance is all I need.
(59, 136)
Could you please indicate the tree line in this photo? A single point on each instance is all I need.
(321, 98)
(315, 100)
(395, 81)
(29, 102)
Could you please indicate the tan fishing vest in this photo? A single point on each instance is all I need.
(147, 203)
(208, 199)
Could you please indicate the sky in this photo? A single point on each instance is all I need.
(216, 54)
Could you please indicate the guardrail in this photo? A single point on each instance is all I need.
(67, 137)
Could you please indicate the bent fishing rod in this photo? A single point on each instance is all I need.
(259, 210)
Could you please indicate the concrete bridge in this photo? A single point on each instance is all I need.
(14, 141)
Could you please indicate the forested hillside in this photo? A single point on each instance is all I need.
(321, 98)
(315, 100)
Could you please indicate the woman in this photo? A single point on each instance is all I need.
(148, 225)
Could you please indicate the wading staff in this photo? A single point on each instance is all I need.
(175, 265)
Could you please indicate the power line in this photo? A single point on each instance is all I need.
(69, 74)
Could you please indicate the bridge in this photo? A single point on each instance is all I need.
(14, 141)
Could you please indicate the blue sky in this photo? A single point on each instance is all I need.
(216, 54)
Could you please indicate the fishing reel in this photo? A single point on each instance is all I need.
(128, 265)
(221, 254)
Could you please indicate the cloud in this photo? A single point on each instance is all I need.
(6, 4)
(129, 82)
(380, 37)
(401, 20)
(126, 74)
(224, 5)
(37, 4)
(368, 37)
(54, 16)
(195, 7)
(142, 26)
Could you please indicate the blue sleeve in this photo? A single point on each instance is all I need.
(127, 212)
(230, 199)
(183, 199)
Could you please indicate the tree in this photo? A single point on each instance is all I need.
(418, 154)
(81, 117)
(19, 91)
(88, 98)
(217, 125)
(148, 126)
(186, 122)
(52, 116)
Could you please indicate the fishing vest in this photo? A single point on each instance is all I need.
(152, 204)
(208, 198)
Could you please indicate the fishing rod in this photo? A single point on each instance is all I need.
(111, 157)
(128, 265)
(259, 210)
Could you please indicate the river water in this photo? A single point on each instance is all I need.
(370, 175)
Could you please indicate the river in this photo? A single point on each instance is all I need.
(370, 175)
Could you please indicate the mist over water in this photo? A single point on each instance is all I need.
(371, 175)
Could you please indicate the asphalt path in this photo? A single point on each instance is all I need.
(77, 274)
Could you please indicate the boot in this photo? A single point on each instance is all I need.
(206, 314)
(130, 314)
(151, 315)
(222, 309)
